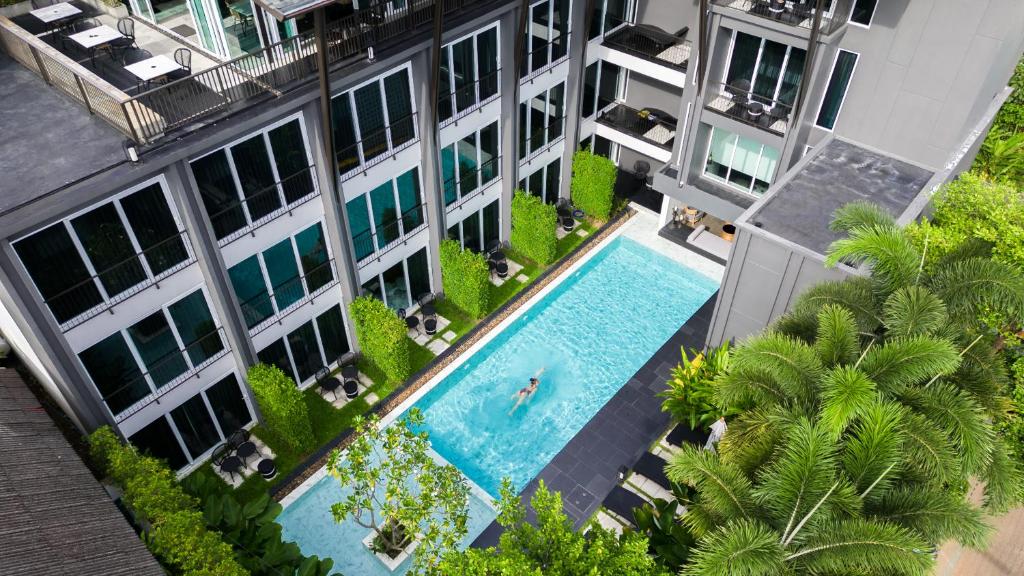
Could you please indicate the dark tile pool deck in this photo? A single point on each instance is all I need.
(586, 469)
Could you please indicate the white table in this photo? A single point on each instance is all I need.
(95, 37)
(55, 12)
(153, 68)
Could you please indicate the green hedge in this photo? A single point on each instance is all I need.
(281, 402)
(533, 228)
(466, 278)
(175, 530)
(593, 184)
(382, 337)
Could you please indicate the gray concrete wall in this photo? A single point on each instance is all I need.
(646, 92)
(670, 16)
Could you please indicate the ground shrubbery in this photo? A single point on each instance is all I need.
(382, 337)
(593, 183)
(282, 405)
(533, 228)
(466, 278)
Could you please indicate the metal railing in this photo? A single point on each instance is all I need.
(649, 44)
(541, 139)
(174, 368)
(799, 13)
(83, 301)
(551, 58)
(279, 198)
(740, 104)
(461, 101)
(640, 124)
(263, 310)
(372, 245)
(454, 186)
(376, 147)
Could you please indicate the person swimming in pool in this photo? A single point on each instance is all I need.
(526, 393)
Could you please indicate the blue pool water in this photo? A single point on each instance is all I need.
(591, 334)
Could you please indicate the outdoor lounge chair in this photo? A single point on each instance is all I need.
(683, 434)
(622, 502)
(426, 301)
(652, 467)
(327, 383)
(244, 447)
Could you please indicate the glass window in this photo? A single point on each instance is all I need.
(408, 185)
(590, 90)
(228, 404)
(553, 180)
(462, 72)
(559, 29)
(471, 232)
(283, 273)
(359, 225)
(556, 110)
(154, 227)
(58, 271)
(524, 120)
(114, 372)
(252, 164)
(744, 57)
(158, 348)
(396, 294)
(291, 161)
(489, 168)
(195, 327)
(305, 351)
(399, 108)
(345, 139)
(157, 439)
(332, 333)
(451, 192)
(385, 214)
(372, 288)
(467, 164)
(863, 12)
(487, 62)
(276, 355)
(608, 87)
(251, 290)
(491, 223)
(537, 36)
(220, 196)
(791, 78)
(419, 273)
(370, 114)
(769, 69)
(313, 256)
(195, 426)
(743, 163)
(103, 236)
(835, 93)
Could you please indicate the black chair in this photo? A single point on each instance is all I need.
(754, 111)
(493, 246)
(802, 11)
(83, 24)
(133, 55)
(563, 207)
(350, 372)
(653, 468)
(622, 502)
(411, 322)
(183, 57)
(327, 383)
(740, 90)
(430, 326)
(244, 447)
(226, 462)
(37, 4)
(501, 269)
(126, 26)
(427, 305)
(776, 113)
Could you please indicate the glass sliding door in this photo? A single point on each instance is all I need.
(196, 427)
(385, 214)
(406, 280)
(771, 70)
(283, 274)
(276, 354)
(228, 405)
(158, 348)
(106, 243)
(59, 272)
(155, 228)
(114, 372)
(313, 258)
(331, 326)
(371, 121)
(157, 439)
(251, 291)
(305, 351)
(740, 162)
(196, 327)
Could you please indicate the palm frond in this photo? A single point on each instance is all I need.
(892, 256)
(793, 364)
(960, 417)
(909, 361)
(913, 311)
(845, 394)
(929, 451)
(753, 437)
(863, 546)
(936, 514)
(975, 285)
(800, 324)
(979, 383)
(972, 247)
(860, 215)
(854, 294)
(723, 488)
(740, 548)
(1004, 480)
(837, 341)
(748, 386)
(873, 450)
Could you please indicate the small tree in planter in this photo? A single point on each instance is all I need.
(399, 493)
(283, 407)
(593, 183)
(533, 228)
(466, 278)
(383, 337)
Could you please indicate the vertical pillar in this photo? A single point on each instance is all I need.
(581, 14)
(426, 75)
(509, 30)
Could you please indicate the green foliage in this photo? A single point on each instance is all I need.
(283, 408)
(1002, 154)
(551, 547)
(174, 527)
(690, 397)
(396, 487)
(668, 539)
(593, 183)
(533, 228)
(466, 278)
(382, 337)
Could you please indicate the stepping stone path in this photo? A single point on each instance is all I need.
(522, 278)
(514, 268)
(449, 336)
(437, 346)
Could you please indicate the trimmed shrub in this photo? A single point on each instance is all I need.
(466, 278)
(283, 407)
(593, 183)
(533, 228)
(382, 337)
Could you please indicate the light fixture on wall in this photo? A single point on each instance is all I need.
(130, 151)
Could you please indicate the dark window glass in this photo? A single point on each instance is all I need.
(105, 240)
(372, 288)
(602, 146)
(345, 144)
(359, 224)
(615, 13)
(252, 163)
(154, 227)
(114, 372)
(313, 257)
(559, 29)
(283, 273)
(744, 56)
(408, 185)
(791, 78)
(538, 115)
(419, 273)
(453, 233)
(158, 349)
(536, 183)
(195, 326)
(468, 179)
(590, 90)
(220, 196)
(445, 96)
(491, 223)
(537, 35)
(524, 120)
(487, 62)
(58, 271)
(403, 127)
(863, 11)
(463, 67)
(556, 111)
(489, 168)
(836, 91)
(228, 405)
(251, 290)
(554, 178)
(157, 439)
(769, 70)
(370, 113)
(471, 232)
(292, 164)
(394, 287)
(305, 352)
(385, 213)
(332, 333)
(608, 90)
(277, 355)
(195, 426)
(451, 192)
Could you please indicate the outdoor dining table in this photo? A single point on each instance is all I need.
(152, 68)
(95, 38)
(55, 13)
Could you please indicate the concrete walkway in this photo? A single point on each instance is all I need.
(1004, 556)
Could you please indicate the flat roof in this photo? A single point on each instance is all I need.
(48, 140)
(55, 518)
(285, 9)
(839, 173)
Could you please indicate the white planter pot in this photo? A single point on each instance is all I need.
(390, 563)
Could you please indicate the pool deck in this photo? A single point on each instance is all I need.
(586, 469)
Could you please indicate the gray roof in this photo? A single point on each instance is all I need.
(55, 518)
(285, 9)
(841, 172)
(48, 140)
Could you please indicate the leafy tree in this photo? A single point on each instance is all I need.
(690, 396)
(383, 337)
(282, 405)
(593, 183)
(399, 492)
(533, 228)
(466, 278)
(551, 547)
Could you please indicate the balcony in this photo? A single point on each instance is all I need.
(737, 102)
(371, 245)
(465, 99)
(244, 217)
(376, 147)
(652, 44)
(649, 131)
(795, 13)
(271, 307)
(468, 184)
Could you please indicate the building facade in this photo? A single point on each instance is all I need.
(141, 286)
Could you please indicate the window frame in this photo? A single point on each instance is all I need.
(871, 17)
(530, 71)
(545, 178)
(846, 91)
(757, 63)
(725, 181)
(446, 54)
(526, 154)
(456, 174)
(404, 261)
(393, 180)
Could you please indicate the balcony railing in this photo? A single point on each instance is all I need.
(370, 246)
(738, 103)
(77, 304)
(260, 208)
(172, 370)
(465, 99)
(650, 125)
(489, 172)
(376, 147)
(798, 13)
(265, 310)
(542, 139)
(540, 59)
(651, 43)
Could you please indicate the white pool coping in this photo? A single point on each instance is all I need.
(641, 227)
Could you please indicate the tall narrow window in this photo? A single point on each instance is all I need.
(313, 257)
(154, 227)
(835, 93)
(58, 271)
(228, 404)
(251, 290)
(105, 240)
(252, 164)
(196, 327)
(195, 425)
(863, 12)
(332, 333)
(157, 439)
(158, 348)
(114, 372)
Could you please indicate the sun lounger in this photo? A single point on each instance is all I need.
(622, 502)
